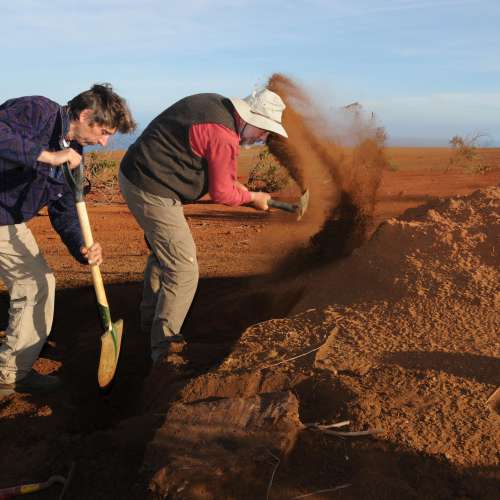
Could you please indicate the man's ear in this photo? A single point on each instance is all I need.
(85, 116)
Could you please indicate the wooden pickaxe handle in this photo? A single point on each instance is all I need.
(282, 205)
(297, 208)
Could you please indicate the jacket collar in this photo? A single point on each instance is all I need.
(63, 120)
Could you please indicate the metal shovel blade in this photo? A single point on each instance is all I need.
(111, 341)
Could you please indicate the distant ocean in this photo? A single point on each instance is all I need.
(122, 142)
(117, 142)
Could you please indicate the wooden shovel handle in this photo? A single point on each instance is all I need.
(83, 218)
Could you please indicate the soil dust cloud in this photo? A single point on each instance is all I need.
(339, 160)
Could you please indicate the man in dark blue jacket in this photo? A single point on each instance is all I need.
(38, 136)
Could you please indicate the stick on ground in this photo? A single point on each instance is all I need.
(328, 490)
(278, 461)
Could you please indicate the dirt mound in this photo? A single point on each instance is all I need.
(446, 248)
(402, 337)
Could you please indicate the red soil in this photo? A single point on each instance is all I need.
(407, 329)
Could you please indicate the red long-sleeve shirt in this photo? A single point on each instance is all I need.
(220, 147)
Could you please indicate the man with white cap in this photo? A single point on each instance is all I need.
(190, 149)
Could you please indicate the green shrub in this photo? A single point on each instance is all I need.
(102, 172)
(96, 164)
(465, 155)
(267, 174)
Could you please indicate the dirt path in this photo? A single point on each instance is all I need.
(438, 440)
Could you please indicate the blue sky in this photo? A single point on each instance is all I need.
(428, 69)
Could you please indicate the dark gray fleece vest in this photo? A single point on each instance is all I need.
(161, 161)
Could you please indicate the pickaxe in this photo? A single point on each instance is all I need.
(299, 208)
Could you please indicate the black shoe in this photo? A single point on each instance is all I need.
(33, 383)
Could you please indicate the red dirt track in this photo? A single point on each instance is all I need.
(407, 332)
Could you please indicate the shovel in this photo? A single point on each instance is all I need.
(299, 208)
(112, 337)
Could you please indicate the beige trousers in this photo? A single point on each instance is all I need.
(171, 273)
(31, 287)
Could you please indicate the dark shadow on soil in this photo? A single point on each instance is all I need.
(105, 435)
(376, 470)
(483, 369)
(224, 307)
(236, 216)
(222, 310)
(401, 197)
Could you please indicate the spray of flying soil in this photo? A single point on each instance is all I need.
(339, 159)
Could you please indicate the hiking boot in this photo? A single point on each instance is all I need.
(177, 344)
(170, 349)
(33, 383)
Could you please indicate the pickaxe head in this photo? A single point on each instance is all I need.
(302, 204)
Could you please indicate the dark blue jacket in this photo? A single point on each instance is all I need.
(29, 125)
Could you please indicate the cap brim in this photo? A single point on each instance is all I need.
(256, 120)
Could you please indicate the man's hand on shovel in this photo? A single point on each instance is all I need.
(58, 158)
(93, 254)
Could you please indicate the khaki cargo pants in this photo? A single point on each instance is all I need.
(171, 273)
(31, 287)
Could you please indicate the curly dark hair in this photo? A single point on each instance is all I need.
(109, 109)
